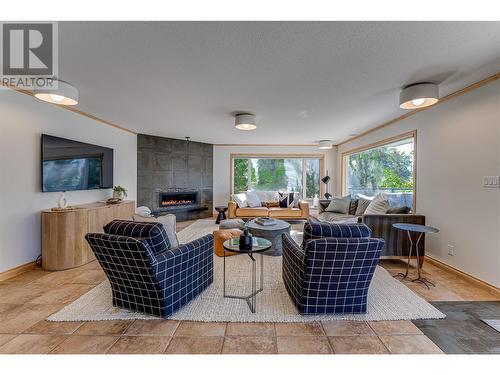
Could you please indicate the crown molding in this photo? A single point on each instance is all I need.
(74, 110)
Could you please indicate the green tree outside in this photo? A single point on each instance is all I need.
(271, 174)
(240, 175)
(381, 168)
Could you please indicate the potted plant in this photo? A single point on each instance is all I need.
(119, 192)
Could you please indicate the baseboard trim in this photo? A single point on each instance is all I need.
(5, 275)
(491, 288)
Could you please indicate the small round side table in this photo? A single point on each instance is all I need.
(420, 229)
(222, 213)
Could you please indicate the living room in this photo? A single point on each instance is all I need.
(250, 187)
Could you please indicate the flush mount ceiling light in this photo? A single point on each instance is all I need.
(245, 121)
(419, 95)
(65, 94)
(325, 145)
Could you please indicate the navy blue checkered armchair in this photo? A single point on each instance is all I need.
(146, 275)
(332, 270)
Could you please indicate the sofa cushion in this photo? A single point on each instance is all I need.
(285, 212)
(335, 217)
(154, 233)
(252, 211)
(232, 224)
(168, 222)
(340, 205)
(362, 205)
(399, 210)
(271, 204)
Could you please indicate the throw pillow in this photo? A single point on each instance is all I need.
(340, 205)
(240, 199)
(362, 205)
(353, 206)
(168, 222)
(323, 204)
(296, 199)
(379, 205)
(288, 200)
(253, 199)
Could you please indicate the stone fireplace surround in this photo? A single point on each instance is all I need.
(174, 166)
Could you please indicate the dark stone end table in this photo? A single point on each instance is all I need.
(222, 213)
(271, 232)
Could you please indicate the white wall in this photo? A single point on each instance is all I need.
(458, 142)
(22, 120)
(222, 164)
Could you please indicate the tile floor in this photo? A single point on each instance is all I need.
(26, 300)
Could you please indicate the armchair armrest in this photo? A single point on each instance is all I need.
(293, 268)
(231, 209)
(199, 253)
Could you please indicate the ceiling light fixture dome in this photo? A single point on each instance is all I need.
(419, 95)
(64, 94)
(325, 144)
(245, 121)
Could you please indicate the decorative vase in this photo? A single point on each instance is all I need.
(246, 240)
(118, 195)
(63, 202)
(315, 200)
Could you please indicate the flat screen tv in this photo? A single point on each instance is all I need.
(71, 165)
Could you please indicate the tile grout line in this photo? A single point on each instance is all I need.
(327, 337)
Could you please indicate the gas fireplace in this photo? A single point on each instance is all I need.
(175, 200)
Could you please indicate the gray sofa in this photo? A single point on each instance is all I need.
(396, 241)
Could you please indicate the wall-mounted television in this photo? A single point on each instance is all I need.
(71, 165)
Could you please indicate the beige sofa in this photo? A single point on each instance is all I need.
(295, 213)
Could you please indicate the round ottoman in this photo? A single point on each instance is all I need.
(232, 224)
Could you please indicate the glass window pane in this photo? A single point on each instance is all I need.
(384, 169)
(270, 174)
(312, 178)
(277, 174)
(293, 169)
(240, 175)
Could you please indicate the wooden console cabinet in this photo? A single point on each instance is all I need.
(63, 232)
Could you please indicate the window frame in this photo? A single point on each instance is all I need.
(321, 158)
(383, 142)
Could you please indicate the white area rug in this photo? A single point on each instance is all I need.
(388, 298)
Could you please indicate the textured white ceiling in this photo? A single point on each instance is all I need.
(305, 81)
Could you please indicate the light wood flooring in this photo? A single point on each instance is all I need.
(26, 300)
